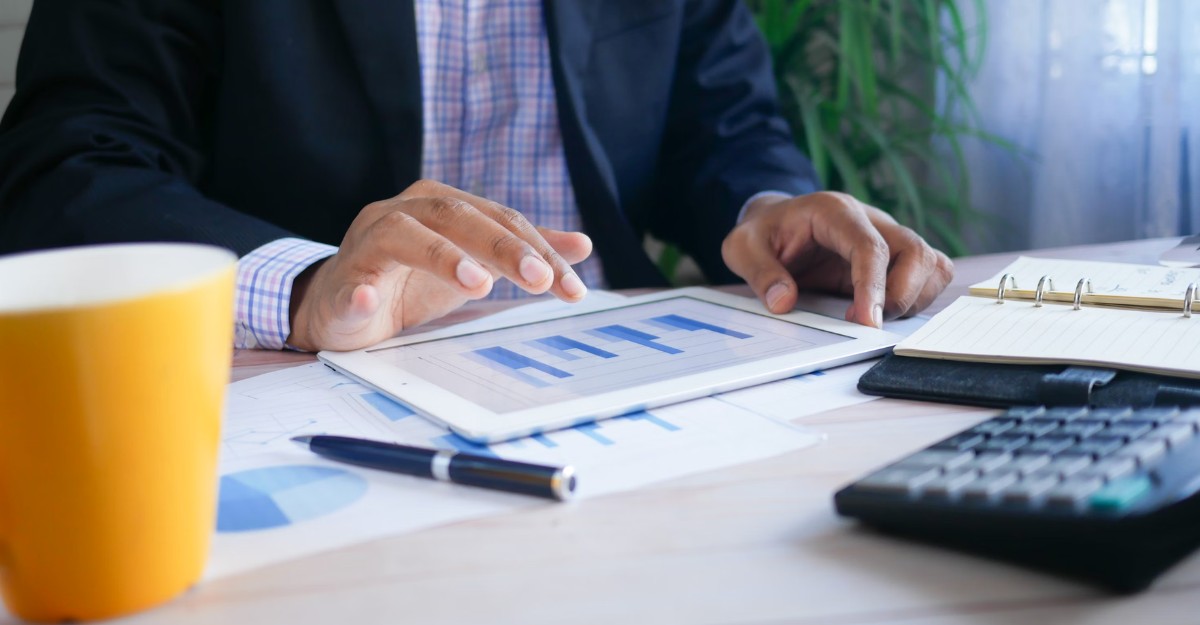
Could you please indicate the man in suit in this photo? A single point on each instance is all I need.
(449, 149)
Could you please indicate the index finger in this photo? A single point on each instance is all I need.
(567, 285)
(845, 229)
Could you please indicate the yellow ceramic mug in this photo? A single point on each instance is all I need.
(113, 366)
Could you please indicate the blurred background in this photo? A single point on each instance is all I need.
(986, 125)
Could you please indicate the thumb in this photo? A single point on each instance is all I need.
(361, 304)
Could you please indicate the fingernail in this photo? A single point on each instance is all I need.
(573, 286)
(877, 316)
(534, 270)
(470, 274)
(775, 294)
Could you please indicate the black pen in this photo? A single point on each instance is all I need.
(446, 466)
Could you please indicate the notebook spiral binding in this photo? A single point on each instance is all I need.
(1079, 291)
(1046, 284)
(1011, 281)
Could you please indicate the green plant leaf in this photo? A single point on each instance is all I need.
(878, 94)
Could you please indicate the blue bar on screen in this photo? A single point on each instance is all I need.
(513, 360)
(563, 343)
(683, 323)
(640, 338)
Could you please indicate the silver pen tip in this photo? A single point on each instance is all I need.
(563, 483)
(302, 441)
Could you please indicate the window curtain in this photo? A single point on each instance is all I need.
(1101, 101)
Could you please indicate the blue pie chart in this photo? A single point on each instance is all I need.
(258, 499)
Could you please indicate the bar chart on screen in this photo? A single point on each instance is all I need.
(617, 340)
(523, 367)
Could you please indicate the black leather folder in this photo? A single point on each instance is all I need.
(1001, 385)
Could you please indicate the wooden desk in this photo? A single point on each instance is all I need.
(757, 543)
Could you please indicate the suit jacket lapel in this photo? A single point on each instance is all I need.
(382, 37)
(569, 26)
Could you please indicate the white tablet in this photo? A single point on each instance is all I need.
(571, 368)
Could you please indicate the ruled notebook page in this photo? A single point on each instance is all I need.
(980, 329)
(1112, 283)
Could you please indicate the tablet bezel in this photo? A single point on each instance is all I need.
(479, 424)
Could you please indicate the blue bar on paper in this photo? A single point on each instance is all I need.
(683, 323)
(642, 415)
(563, 343)
(589, 430)
(393, 410)
(544, 440)
(457, 443)
(641, 338)
(515, 361)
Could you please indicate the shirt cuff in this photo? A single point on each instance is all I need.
(783, 195)
(264, 290)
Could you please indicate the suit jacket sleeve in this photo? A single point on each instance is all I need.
(104, 139)
(725, 139)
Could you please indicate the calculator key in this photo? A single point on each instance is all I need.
(1096, 446)
(1159, 413)
(1145, 452)
(1029, 488)
(1025, 464)
(960, 442)
(989, 484)
(1175, 434)
(995, 426)
(1073, 492)
(1003, 442)
(948, 484)
(988, 461)
(1048, 445)
(1034, 427)
(897, 480)
(1066, 466)
(1025, 412)
(1110, 414)
(1081, 428)
(937, 458)
(1110, 469)
(1120, 494)
(1191, 415)
(1128, 429)
(1066, 414)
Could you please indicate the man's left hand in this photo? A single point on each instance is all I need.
(831, 242)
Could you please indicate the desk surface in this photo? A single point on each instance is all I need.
(758, 543)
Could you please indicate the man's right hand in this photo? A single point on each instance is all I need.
(420, 255)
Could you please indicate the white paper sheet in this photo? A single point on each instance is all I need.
(281, 502)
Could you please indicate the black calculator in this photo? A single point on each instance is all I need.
(1107, 495)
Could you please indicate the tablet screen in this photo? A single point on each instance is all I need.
(547, 362)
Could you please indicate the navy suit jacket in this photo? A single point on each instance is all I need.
(236, 123)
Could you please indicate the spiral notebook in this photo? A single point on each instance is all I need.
(1047, 311)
